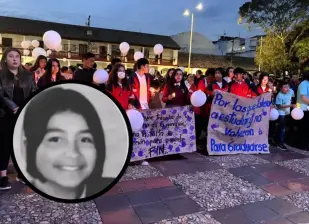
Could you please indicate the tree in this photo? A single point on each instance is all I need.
(302, 49)
(286, 22)
(271, 54)
(276, 16)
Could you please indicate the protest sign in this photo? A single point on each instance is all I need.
(238, 125)
(165, 131)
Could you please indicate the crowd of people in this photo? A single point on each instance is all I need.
(137, 88)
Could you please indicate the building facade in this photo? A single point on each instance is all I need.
(77, 40)
(236, 46)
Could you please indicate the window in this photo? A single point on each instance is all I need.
(73, 47)
(7, 42)
(115, 51)
(65, 47)
(146, 52)
(83, 48)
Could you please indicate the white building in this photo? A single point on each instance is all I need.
(237, 46)
(200, 44)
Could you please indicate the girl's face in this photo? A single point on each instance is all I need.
(13, 60)
(67, 154)
(55, 67)
(171, 73)
(270, 85)
(121, 73)
(264, 81)
(42, 63)
(178, 76)
(218, 76)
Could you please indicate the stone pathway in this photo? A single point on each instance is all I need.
(183, 189)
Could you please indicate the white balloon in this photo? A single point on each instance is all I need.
(26, 52)
(138, 55)
(198, 98)
(158, 49)
(38, 51)
(58, 48)
(35, 43)
(182, 69)
(124, 47)
(48, 52)
(274, 114)
(297, 114)
(25, 44)
(52, 39)
(100, 76)
(136, 119)
(64, 59)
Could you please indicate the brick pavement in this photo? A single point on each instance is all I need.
(172, 192)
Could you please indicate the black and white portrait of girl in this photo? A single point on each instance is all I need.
(69, 147)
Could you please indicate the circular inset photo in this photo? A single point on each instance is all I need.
(72, 142)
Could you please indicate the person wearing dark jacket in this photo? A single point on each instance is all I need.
(16, 85)
(52, 73)
(86, 72)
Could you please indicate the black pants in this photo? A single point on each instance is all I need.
(6, 141)
(303, 131)
(272, 130)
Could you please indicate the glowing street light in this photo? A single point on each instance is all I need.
(199, 7)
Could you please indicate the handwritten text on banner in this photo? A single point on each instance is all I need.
(238, 125)
(165, 131)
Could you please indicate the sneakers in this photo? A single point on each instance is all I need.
(5, 184)
(282, 146)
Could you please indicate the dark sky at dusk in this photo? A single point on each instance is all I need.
(159, 17)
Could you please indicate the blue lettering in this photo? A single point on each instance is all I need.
(217, 147)
(219, 100)
(239, 133)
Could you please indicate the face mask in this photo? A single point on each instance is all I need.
(121, 75)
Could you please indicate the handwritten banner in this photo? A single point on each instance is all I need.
(165, 131)
(238, 125)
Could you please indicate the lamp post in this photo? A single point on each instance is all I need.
(199, 7)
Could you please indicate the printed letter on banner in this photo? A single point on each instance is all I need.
(165, 131)
(238, 125)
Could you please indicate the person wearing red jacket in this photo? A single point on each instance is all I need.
(239, 87)
(176, 93)
(118, 85)
(262, 87)
(218, 84)
(140, 83)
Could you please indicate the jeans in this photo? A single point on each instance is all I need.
(281, 128)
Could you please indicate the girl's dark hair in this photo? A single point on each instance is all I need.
(6, 75)
(113, 77)
(3, 63)
(306, 75)
(46, 77)
(172, 80)
(210, 72)
(262, 77)
(45, 105)
(167, 77)
(37, 63)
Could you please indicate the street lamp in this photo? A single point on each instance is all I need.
(187, 12)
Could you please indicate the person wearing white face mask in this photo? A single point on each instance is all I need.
(118, 85)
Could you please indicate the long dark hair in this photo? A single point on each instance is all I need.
(4, 66)
(6, 75)
(45, 105)
(262, 77)
(37, 63)
(46, 77)
(113, 78)
(172, 81)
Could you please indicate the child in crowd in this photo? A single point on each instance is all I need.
(284, 104)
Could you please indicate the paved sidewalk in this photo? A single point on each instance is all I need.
(192, 188)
